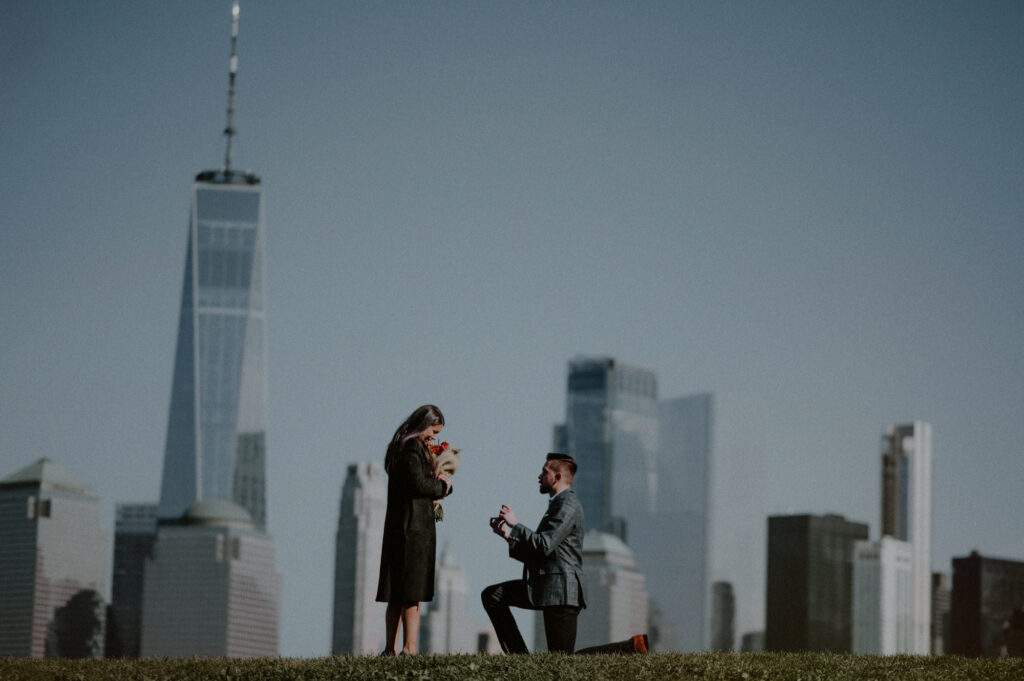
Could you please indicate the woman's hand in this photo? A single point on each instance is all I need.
(447, 482)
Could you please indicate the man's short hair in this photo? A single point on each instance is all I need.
(563, 463)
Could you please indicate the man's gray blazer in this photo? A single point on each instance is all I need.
(552, 555)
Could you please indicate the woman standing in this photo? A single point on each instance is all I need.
(408, 553)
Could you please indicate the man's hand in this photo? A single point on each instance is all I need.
(500, 528)
(507, 516)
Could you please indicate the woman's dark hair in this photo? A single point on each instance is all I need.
(424, 417)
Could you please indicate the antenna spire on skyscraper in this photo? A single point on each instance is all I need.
(229, 131)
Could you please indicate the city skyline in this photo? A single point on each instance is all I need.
(816, 208)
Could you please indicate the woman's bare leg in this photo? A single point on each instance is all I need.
(411, 624)
(392, 619)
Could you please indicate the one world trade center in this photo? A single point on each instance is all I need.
(216, 430)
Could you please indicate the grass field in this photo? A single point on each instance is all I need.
(655, 667)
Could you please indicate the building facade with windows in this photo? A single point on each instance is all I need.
(985, 593)
(216, 429)
(882, 597)
(211, 588)
(53, 565)
(809, 596)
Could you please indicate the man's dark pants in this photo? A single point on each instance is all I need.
(559, 620)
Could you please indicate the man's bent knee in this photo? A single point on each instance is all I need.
(491, 596)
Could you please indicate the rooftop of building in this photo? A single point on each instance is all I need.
(228, 176)
(217, 512)
(47, 475)
(602, 542)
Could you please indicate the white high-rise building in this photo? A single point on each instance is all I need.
(211, 589)
(907, 514)
(448, 628)
(358, 619)
(53, 565)
(882, 597)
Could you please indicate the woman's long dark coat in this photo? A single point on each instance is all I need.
(410, 544)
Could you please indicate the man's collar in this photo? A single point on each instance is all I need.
(555, 495)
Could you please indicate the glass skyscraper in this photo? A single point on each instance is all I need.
(216, 431)
(611, 430)
(682, 481)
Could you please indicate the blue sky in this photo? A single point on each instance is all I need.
(815, 206)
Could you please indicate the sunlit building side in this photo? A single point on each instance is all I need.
(883, 597)
(907, 514)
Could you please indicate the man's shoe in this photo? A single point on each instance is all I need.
(640, 643)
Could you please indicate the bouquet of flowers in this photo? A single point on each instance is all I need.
(443, 459)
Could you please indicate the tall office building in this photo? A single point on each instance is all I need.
(942, 597)
(617, 600)
(358, 626)
(723, 612)
(216, 429)
(681, 481)
(215, 450)
(53, 565)
(134, 534)
(985, 593)
(611, 430)
(714, 478)
(810, 582)
(907, 513)
(882, 597)
(211, 589)
(448, 628)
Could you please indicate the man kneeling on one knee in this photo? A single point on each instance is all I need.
(552, 557)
